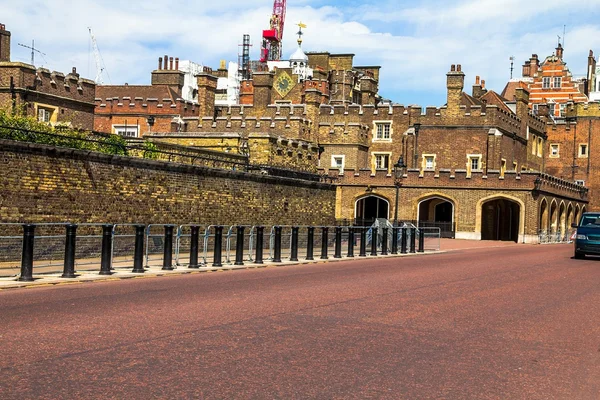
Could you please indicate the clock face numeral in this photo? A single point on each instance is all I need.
(284, 84)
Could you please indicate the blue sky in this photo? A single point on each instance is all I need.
(415, 42)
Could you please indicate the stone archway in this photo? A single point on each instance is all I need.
(369, 208)
(543, 222)
(570, 217)
(500, 220)
(562, 221)
(553, 217)
(438, 212)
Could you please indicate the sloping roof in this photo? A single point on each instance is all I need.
(493, 98)
(510, 90)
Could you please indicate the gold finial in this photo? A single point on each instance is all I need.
(300, 33)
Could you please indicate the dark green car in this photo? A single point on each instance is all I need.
(587, 240)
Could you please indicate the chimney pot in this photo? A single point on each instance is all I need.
(2, 27)
(177, 63)
(74, 70)
(458, 68)
(452, 68)
(483, 84)
(171, 63)
(477, 80)
(159, 63)
(166, 66)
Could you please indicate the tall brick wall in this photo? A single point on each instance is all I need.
(46, 184)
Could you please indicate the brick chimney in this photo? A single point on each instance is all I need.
(590, 73)
(478, 88)
(207, 87)
(534, 63)
(522, 99)
(263, 88)
(168, 76)
(455, 84)
(559, 51)
(4, 44)
(527, 69)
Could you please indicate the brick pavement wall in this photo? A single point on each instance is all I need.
(47, 184)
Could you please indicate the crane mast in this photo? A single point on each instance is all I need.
(99, 67)
(271, 46)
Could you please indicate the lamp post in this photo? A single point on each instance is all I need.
(398, 173)
(417, 127)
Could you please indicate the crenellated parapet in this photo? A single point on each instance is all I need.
(536, 182)
(145, 105)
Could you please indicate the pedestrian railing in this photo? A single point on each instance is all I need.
(545, 237)
(139, 247)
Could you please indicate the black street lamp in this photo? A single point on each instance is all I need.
(150, 121)
(398, 173)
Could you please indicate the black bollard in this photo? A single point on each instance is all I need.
(71, 237)
(294, 251)
(239, 246)
(138, 252)
(350, 242)
(324, 238)
(310, 243)
(259, 244)
(277, 250)
(403, 240)
(421, 241)
(395, 240)
(218, 250)
(168, 249)
(338, 242)
(374, 241)
(106, 259)
(194, 237)
(363, 242)
(413, 238)
(384, 242)
(27, 253)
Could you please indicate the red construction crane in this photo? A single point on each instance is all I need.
(271, 46)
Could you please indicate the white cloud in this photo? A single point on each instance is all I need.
(414, 45)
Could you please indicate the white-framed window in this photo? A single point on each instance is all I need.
(44, 114)
(126, 130)
(557, 81)
(383, 131)
(580, 182)
(382, 160)
(535, 109)
(474, 163)
(429, 162)
(554, 150)
(562, 109)
(337, 161)
(583, 150)
(552, 109)
(546, 82)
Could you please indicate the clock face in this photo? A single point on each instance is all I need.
(284, 84)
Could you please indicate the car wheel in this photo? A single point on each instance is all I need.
(579, 255)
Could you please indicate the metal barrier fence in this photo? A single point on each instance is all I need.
(554, 237)
(47, 247)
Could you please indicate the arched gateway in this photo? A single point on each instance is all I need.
(369, 208)
(500, 219)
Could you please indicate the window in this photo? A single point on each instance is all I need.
(535, 109)
(429, 162)
(337, 162)
(554, 150)
(562, 109)
(473, 163)
(383, 130)
(546, 82)
(126, 130)
(580, 182)
(44, 114)
(557, 81)
(503, 167)
(551, 109)
(382, 161)
(515, 166)
(540, 146)
(534, 145)
(583, 150)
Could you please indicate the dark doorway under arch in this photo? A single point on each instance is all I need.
(439, 213)
(368, 209)
(500, 220)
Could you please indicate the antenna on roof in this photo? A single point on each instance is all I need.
(33, 51)
(512, 65)
(564, 35)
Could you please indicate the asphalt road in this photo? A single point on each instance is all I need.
(516, 322)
